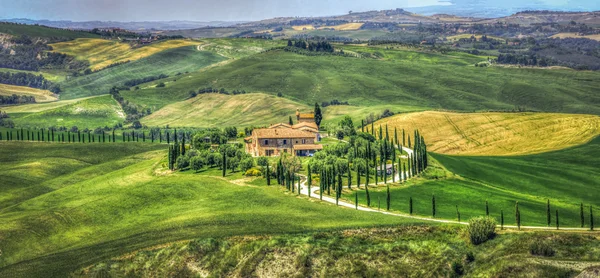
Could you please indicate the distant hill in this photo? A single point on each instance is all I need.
(42, 31)
(533, 17)
(132, 26)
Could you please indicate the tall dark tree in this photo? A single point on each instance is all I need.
(591, 219)
(410, 206)
(457, 214)
(487, 209)
(433, 206)
(557, 227)
(268, 173)
(356, 200)
(388, 197)
(501, 219)
(290, 121)
(224, 160)
(581, 215)
(318, 114)
(309, 180)
(517, 216)
(368, 196)
(548, 215)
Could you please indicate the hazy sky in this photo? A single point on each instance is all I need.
(214, 10)
(200, 10)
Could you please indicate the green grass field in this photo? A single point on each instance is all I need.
(89, 113)
(104, 204)
(42, 31)
(48, 74)
(169, 62)
(431, 81)
(567, 177)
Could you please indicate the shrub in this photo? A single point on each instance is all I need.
(182, 162)
(262, 161)
(541, 248)
(469, 257)
(246, 164)
(457, 268)
(160, 85)
(197, 162)
(481, 229)
(253, 173)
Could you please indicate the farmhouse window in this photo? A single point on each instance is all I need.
(266, 142)
(284, 141)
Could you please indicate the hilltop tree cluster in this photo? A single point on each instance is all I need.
(211, 90)
(320, 46)
(28, 80)
(16, 99)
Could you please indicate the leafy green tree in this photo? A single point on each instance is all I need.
(233, 163)
(247, 164)
(262, 161)
(197, 163)
(182, 162)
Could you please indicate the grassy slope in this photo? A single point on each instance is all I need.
(403, 78)
(42, 31)
(40, 95)
(415, 251)
(216, 110)
(39, 107)
(497, 133)
(567, 177)
(130, 203)
(91, 113)
(101, 53)
(170, 62)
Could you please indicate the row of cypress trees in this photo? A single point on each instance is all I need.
(49, 135)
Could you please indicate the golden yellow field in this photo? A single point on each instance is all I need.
(575, 35)
(303, 27)
(497, 133)
(344, 27)
(101, 53)
(40, 95)
(217, 110)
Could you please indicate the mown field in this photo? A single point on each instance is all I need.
(169, 62)
(89, 113)
(497, 133)
(567, 178)
(39, 95)
(102, 53)
(102, 204)
(405, 78)
(217, 110)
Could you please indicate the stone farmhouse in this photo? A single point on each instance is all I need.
(299, 139)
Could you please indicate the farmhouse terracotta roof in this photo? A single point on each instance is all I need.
(281, 133)
(308, 147)
(280, 125)
(305, 124)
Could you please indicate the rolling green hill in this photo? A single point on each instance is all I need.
(169, 62)
(89, 113)
(407, 78)
(103, 204)
(567, 178)
(42, 31)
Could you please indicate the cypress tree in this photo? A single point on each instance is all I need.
(143, 136)
(183, 145)
(18, 136)
(52, 135)
(349, 176)
(380, 133)
(557, 220)
(396, 137)
(321, 185)
(388, 197)
(309, 180)
(168, 137)
(224, 163)
(113, 135)
(376, 172)
(299, 185)
(409, 144)
(591, 219)
(42, 131)
(79, 136)
(387, 135)
(581, 215)
(433, 205)
(368, 196)
(487, 209)
(356, 200)
(501, 219)
(159, 136)
(548, 216)
(103, 137)
(367, 173)
(410, 206)
(457, 214)
(518, 216)
(362, 125)
(170, 158)
(268, 173)
(357, 176)
(372, 129)
(378, 203)
(68, 136)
